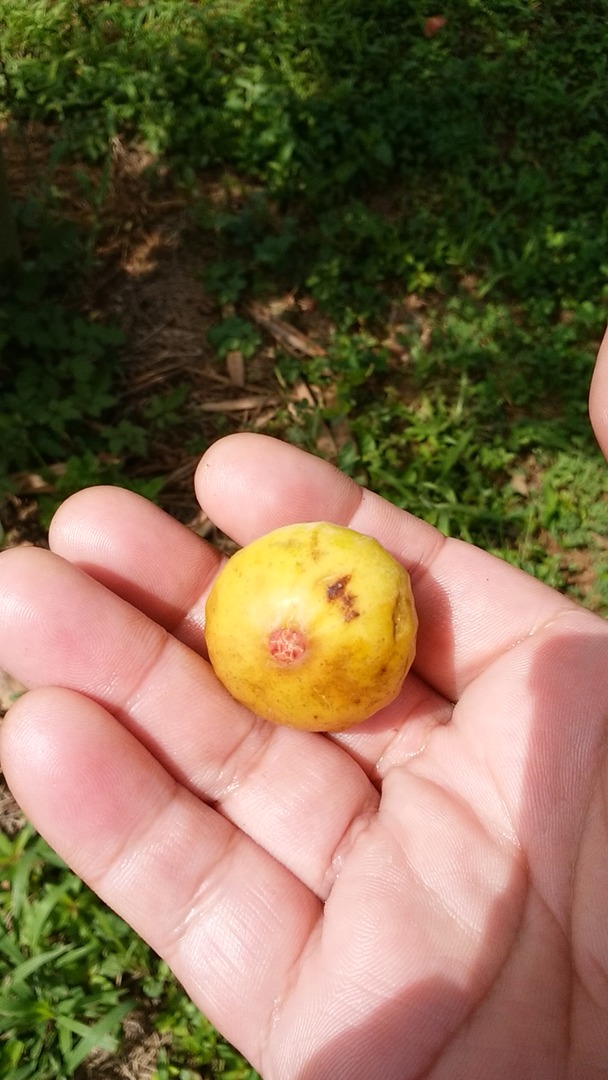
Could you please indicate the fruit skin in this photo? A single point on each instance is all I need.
(312, 626)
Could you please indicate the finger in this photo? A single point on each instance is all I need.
(140, 553)
(598, 397)
(472, 606)
(297, 794)
(229, 920)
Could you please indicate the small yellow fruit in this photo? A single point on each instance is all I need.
(312, 626)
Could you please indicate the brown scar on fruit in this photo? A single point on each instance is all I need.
(396, 616)
(337, 591)
(315, 550)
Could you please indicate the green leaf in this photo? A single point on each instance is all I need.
(39, 912)
(27, 968)
(97, 1035)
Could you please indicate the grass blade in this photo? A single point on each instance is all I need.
(97, 1035)
(33, 963)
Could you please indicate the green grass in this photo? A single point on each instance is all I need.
(439, 201)
(71, 970)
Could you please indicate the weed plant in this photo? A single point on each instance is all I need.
(60, 379)
(441, 201)
(71, 970)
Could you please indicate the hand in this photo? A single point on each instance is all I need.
(424, 895)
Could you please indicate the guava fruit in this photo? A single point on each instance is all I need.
(312, 626)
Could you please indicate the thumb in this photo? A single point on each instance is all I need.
(598, 397)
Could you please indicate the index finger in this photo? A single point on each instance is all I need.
(472, 606)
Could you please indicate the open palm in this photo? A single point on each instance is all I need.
(421, 896)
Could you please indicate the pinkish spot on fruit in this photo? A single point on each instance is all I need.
(286, 644)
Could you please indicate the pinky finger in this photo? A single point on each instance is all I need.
(199, 891)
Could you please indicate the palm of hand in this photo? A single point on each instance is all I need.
(421, 896)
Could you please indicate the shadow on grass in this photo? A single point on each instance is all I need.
(359, 162)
